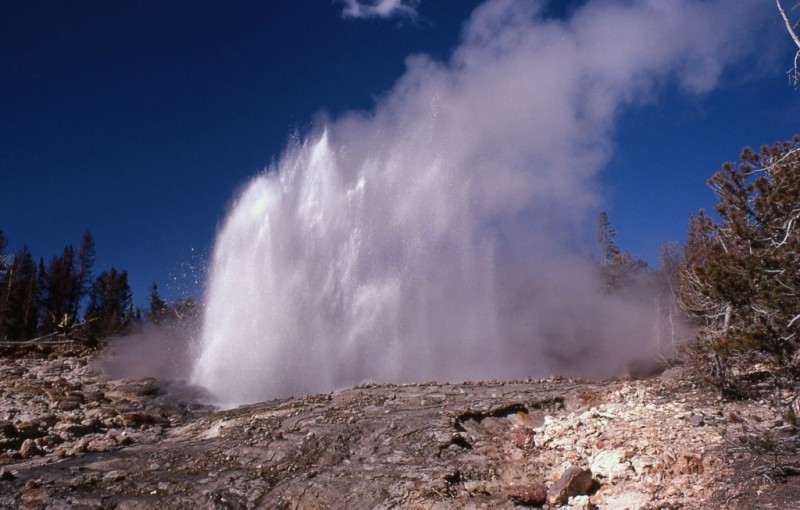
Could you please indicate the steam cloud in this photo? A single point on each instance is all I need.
(443, 235)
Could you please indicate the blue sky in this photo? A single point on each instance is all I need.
(140, 121)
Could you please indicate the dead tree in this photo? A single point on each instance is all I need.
(794, 72)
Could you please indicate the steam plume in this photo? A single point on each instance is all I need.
(442, 235)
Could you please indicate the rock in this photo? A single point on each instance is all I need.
(688, 464)
(78, 447)
(30, 429)
(47, 442)
(610, 464)
(48, 420)
(644, 464)
(532, 494)
(574, 482)
(521, 436)
(90, 426)
(474, 445)
(139, 420)
(102, 443)
(581, 503)
(28, 449)
(115, 476)
(32, 497)
(147, 387)
(68, 404)
(628, 500)
(697, 420)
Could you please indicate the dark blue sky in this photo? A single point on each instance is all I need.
(140, 120)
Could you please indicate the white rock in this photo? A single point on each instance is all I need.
(610, 464)
(580, 503)
(629, 500)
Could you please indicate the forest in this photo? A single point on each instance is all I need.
(63, 296)
(63, 299)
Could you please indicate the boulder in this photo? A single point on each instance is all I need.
(574, 482)
(521, 437)
(29, 449)
(610, 464)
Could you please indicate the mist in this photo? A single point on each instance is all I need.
(447, 234)
(164, 351)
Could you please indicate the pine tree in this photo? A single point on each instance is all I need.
(41, 296)
(62, 290)
(3, 246)
(83, 278)
(618, 269)
(605, 238)
(110, 300)
(158, 307)
(22, 311)
(4, 291)
(741, 275)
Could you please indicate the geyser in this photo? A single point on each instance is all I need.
(444, 234)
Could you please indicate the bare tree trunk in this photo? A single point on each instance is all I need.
(727, 322)
(794, 72)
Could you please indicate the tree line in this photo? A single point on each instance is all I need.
(40, 299)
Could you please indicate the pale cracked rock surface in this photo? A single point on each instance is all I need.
(69, 439)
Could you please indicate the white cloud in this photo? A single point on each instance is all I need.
(358, 9)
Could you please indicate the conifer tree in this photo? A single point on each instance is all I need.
(605, 238)
(741, 274)
(83, 277)
(3, 245)
(21, 314)
(109, 310)
(41, 296)
(158, 307)
(62, 291)
(619, 269)
(4, 291)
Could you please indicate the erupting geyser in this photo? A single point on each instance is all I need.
(443, 235)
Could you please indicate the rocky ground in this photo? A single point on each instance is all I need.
(70, 438)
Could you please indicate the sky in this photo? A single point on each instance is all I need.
(141, 121)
